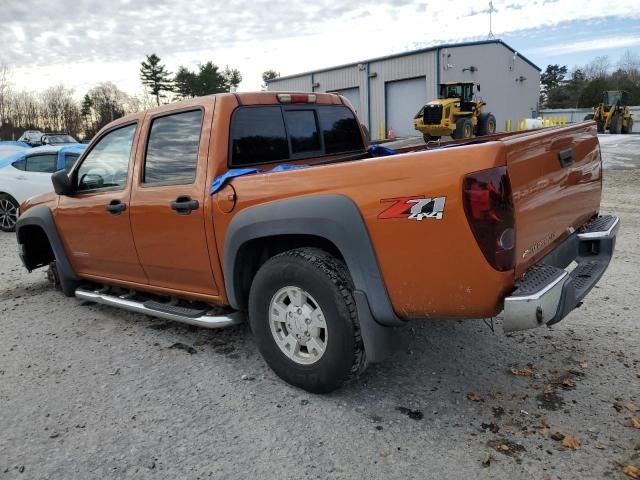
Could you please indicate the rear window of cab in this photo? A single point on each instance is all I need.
(274, 133)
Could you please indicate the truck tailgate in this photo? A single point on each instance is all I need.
(556, 180)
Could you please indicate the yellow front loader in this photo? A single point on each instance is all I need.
(613, 114)
(455, 113)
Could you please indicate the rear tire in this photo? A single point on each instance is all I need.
(464, 129)
(486, 124)
(304, 319)
(600, 126)
(616, 124)
(589, 117)
(8, 213)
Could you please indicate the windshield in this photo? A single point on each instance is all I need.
(58, 139)
(451, 91)
(462, 91)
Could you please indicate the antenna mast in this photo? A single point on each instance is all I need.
(491, 10)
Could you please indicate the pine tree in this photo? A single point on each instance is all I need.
(155, 76)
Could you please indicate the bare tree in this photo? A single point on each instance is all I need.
(598, 67)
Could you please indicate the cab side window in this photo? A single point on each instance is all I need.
(172, 150)
(107, 164)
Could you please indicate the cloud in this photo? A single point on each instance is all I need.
(82, 42)
(602, 43)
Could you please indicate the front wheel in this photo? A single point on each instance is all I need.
(464, 129)
(8, 213)
(304, 319)
(616, 124)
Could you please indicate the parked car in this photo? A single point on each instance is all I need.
(57, 139)
(28, 173)
(32, 137)
(275, 206)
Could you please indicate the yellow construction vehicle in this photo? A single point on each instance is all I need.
(613, 113)
(456, 112)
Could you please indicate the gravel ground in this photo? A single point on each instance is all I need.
(91, 392)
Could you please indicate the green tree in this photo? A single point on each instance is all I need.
(550, 80)
(268, 75)
(207, 80)
(185, 83)
(233, 77)
(210, 80)
(155, 77)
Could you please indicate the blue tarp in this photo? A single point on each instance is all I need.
(220, 180)
(380, 151)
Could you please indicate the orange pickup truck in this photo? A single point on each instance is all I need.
(272, 206)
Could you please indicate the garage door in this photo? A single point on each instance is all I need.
(353, 95)
(403, 100)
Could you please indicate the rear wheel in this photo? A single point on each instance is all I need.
(304, 320)
(616, 124)
(8, 213)
(486, 124)
(430, 138)
(589, 117)
(464, 129)
(600, 126)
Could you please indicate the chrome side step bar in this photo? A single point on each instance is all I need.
(206, 321)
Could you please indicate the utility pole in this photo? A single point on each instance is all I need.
(491, 10)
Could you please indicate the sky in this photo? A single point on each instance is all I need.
(80, 43)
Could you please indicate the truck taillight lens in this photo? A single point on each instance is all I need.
(488, 204)
(296, 98)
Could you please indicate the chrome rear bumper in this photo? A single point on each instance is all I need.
(548, 292)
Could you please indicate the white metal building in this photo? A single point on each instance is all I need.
(387, 92)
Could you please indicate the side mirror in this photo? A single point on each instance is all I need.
(478, 87)
(62, 183)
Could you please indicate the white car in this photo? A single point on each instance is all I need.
(28, 173)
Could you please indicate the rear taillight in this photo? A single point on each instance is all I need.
(488, 205)
(296, 97)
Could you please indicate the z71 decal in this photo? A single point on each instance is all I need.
(417, 207)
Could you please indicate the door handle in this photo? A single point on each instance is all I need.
(566, 157)
(184, 205)
(116, 207)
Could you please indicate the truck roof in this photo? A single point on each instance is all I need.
(243, 98)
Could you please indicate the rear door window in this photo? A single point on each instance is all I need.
(20, 164)
(258, 136)
(45, 163)
(172, 150)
